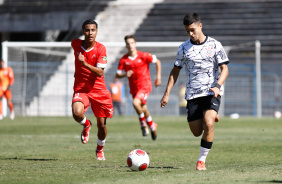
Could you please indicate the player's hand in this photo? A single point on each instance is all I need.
(129, 73)
(158, 82)
(216, 92)
(164, 101)
(81, 58)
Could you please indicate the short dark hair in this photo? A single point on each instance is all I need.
(89, 21)
(129, 36)
(191, 18)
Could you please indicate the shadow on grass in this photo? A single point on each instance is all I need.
(29, 159)
(276, 181)
(150, 167)
(272, 181)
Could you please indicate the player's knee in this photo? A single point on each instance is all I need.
(136, 102)
(77, 114)
(197, 133)
(101, 125)
(209, 126)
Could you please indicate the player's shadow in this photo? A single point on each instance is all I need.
(30, 159)
(275, 181)
(152, 167)
(271, 181)
(165, 167)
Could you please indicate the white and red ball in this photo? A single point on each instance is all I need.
(138, 160)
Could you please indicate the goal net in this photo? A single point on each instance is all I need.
(44, 77)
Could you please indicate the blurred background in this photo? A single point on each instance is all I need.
(36, 35)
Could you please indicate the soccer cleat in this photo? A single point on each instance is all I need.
(12, 115)
(85, 133)
(1, 117)
(145, 131)
(154, 133)
(216, 118)
(201, 166)
(100, 155)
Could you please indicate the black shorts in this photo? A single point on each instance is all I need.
(197, 106)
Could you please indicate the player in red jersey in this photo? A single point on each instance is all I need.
(6, 82)
(136, 66)
(89, 85)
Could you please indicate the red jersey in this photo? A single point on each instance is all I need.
(85, 80)
(140, 79)
(6, 78)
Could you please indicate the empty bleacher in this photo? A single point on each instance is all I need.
(230, 22)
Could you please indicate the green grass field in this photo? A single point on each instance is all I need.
(48, 150)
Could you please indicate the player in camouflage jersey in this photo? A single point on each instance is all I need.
(202, 56)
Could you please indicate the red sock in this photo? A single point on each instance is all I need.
(142, 121)
(99, 148)
(11, 106)
(151, 124)
(87, 123)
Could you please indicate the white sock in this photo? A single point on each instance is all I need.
(203, 154)
(141, 115)
(101, 143)
(149, 118)
(143, 123)
(83, 121)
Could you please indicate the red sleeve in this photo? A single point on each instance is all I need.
(102, 59)
(147, 57)
(120, 64)
(75, 43)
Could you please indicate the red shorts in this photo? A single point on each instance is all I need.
(142, 95)
(7, 94)
(101, 102)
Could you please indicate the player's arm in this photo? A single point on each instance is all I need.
(174, 73)
(221, 80)
(11, 78)
(96, 70)
(158, 80)
(120, 74)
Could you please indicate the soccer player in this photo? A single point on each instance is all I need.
(202, 57)
(89, 85)
(117, 92)
(136, 66)
(6, 82)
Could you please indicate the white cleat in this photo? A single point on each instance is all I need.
(12, 115)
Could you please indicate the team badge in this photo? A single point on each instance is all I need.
(209, 51)
(105, 58)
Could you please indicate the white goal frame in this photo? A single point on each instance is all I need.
(6, 45)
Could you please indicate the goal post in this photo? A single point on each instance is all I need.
(43, 67)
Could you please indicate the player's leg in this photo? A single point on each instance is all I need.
(102, 107)
(207, 138)
(102, 134)
(8, 96)
(210, 115)
(119, 108)
(80, 103)
(1, 109)
(137, 104)
(1, 105)
(153, 126)
(196, 121)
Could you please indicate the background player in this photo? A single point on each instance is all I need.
(202, 57)
(89, 85)
(6, 82)
(117, 92)
(136, 66)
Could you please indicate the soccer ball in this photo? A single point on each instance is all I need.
(138, 160)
